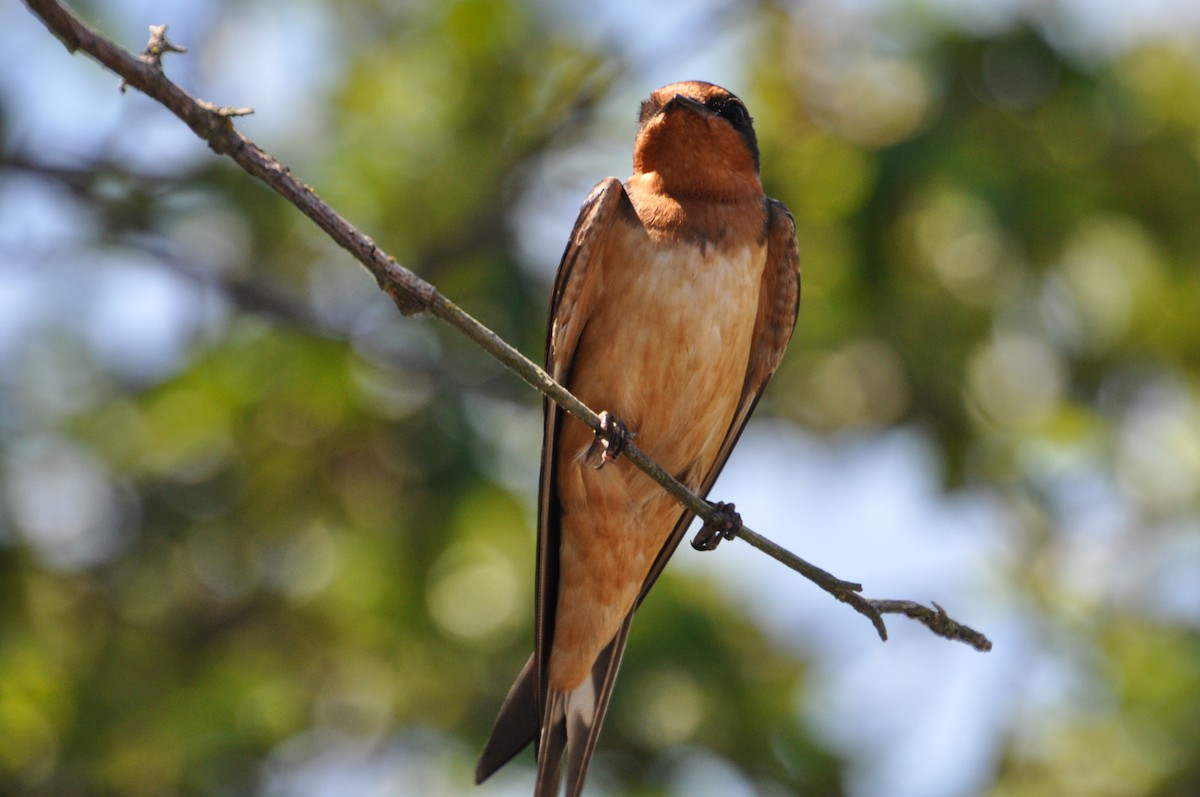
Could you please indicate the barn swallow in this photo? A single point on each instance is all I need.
(672, 307)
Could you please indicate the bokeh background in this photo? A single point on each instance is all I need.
(261, 535)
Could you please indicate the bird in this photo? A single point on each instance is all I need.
(672, 306)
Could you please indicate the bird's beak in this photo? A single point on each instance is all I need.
(688, 102)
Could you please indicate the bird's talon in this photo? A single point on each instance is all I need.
(724, 525)
(610, 441)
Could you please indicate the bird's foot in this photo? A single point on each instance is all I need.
(724, 525)
(610, 441)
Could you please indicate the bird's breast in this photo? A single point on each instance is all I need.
(670, 343)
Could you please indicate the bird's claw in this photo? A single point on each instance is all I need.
(610, 441)
(723, 525)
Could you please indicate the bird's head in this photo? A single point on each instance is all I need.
(699, 139)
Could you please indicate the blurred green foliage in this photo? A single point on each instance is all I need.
(310, 526)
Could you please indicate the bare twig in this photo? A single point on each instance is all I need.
(155, 49)
(412, 294)
(936, 620)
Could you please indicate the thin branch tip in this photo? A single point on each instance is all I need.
(159, 45)
(156, 47)
(937, 621)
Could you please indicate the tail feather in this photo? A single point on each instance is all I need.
(573, 719)
(581, 716)
(515, 727)
(569, 727)
(604, 675)
(552, 743)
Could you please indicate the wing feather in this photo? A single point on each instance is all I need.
(569, 303)
(520, 719)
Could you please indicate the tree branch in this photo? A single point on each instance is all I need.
(412, 294)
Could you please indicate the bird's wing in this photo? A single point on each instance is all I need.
(570, 722)
(520, 716)
(778, 305)
(575, 287)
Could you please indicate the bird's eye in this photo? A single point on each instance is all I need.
(733, 112)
